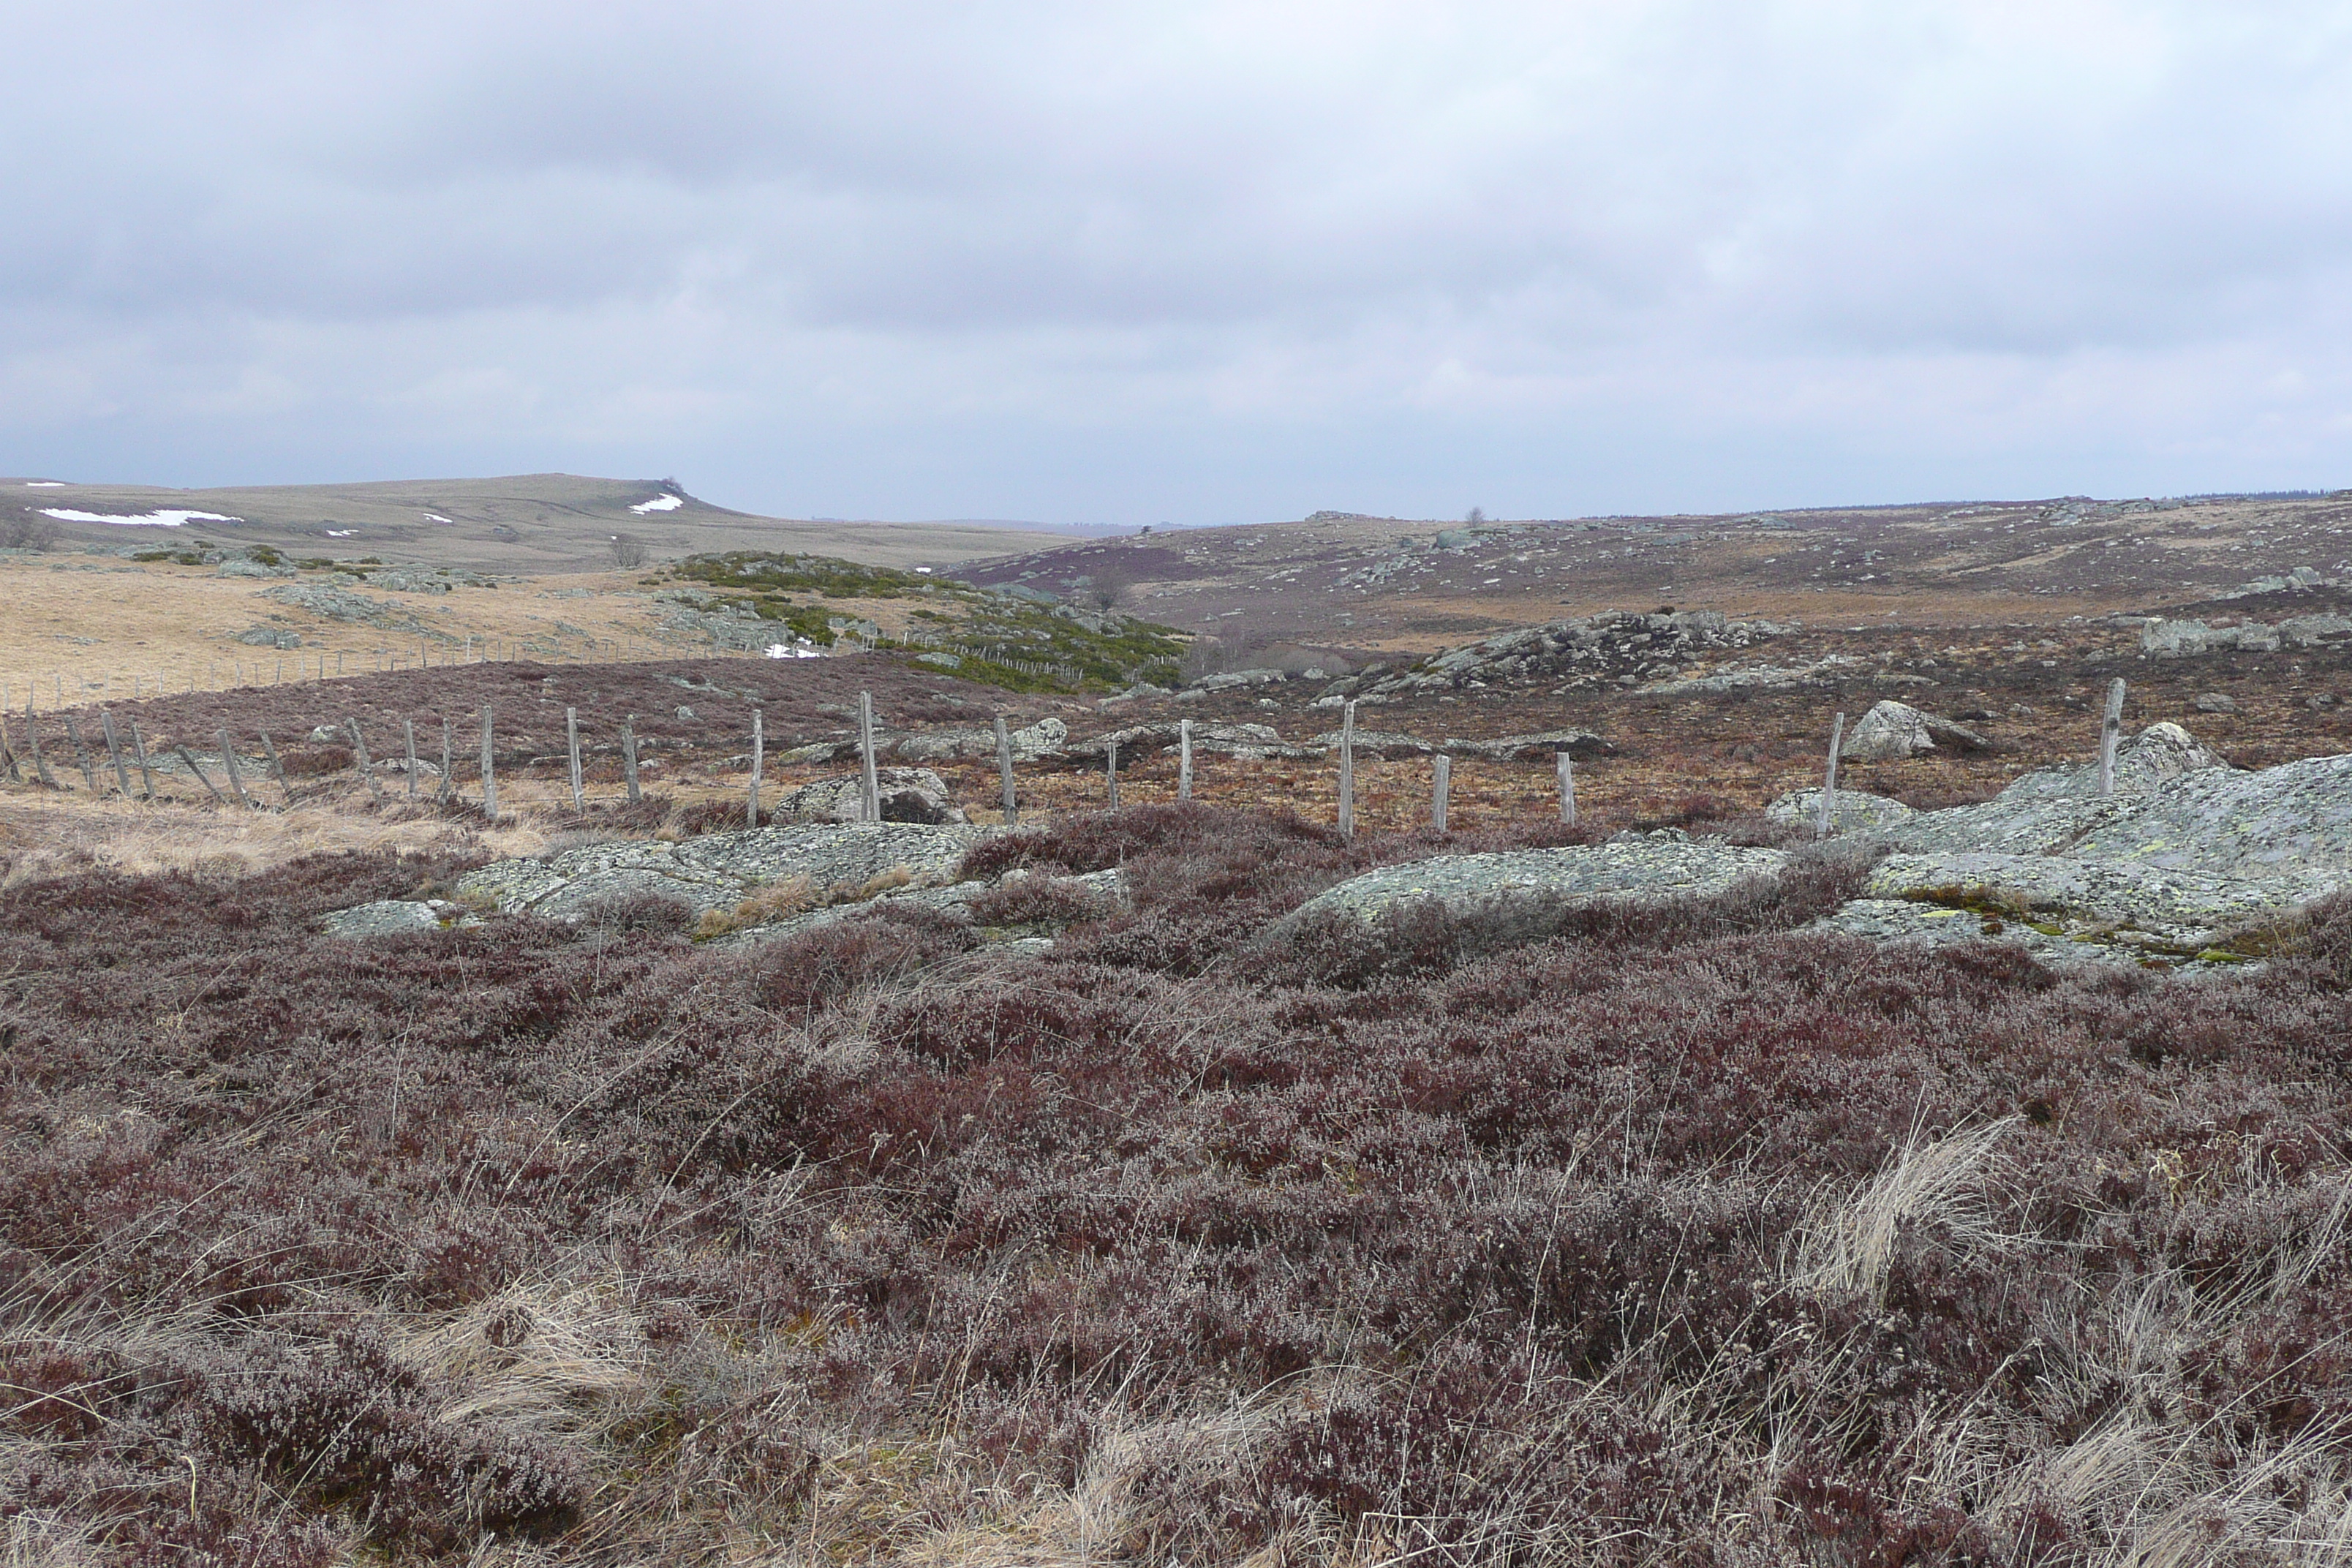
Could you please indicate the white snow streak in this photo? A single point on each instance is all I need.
(660, 503)
(169, 519)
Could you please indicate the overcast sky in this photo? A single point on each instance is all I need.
(1185, 262)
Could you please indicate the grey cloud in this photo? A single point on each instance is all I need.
(983, 237)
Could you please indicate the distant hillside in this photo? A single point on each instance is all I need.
(525, 523)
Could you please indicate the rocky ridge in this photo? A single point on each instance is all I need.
(1616, 647)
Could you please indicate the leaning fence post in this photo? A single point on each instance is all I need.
(81, 754)
(114, 752)
(759, 760)
(139, 750)
(1566, 765)
(1828, 814)
(1004, 772)
(1440, 785)
(571, 745)
(228, 762)
(33, 744)
(200, 779)
(490, 777)
(629, 754)
(1347, 771)
(408, 734)
(448, 762)
(367, 768)
(277, 768)
(2111, 729)
(1184, 759)
(870, 788)
(1110, 774)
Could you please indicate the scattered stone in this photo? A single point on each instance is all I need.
(270, 636)
(2169, 639)
(2216, 702)
(239, 567)
(1609, 646)
(326, 735)
(1229, 680)
(1532, 748)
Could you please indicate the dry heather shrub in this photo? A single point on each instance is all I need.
(772, 902)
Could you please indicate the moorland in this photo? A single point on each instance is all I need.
(1173, 1229)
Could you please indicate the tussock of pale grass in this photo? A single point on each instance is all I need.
(1937, 1180)
(36, 1539)
(532, 1355)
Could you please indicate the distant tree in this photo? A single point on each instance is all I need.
(1474, 516)
(628, 550)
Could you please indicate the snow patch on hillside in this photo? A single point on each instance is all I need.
(167, 519)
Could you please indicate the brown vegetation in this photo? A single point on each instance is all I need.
(1678, 1238)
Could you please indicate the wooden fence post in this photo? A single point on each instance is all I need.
(629, 754)
(1827, 817)
(1110, 774)
(276, 769)
(33, 744)
(1184, 759)
(1566, 766)
(448, 763)
(217, 798)
(571, 745)
(114, 752)
(139, 750)
(1440, 785)
(7, 753)
(1347, 771)
(228, 762)
(490, 774)
(2110, 730)
(367, 768)
(81, 753)
(1004, 772)
(758, 761)
(870, 788)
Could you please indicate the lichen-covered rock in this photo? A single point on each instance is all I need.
(1851, 811)
(1656, 866)
(394, 917)
(722, 869)
(1942, 925)
(1107, 890)
(1892, 731)
(908, 794)
(2177, 909)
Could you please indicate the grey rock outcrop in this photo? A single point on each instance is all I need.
(2171, 639)
(270, 636)
(720, 871)
(1851, 811)
(908, 794)
(397, 917)
(1611, 647)
(1892, 731)
(1659, 864)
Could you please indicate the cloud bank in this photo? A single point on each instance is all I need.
(1187, 262)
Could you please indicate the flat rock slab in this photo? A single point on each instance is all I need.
(2175, 908)
(1107, 888)
(397, 917)
(1851, 811)
(1643, 869)
(719, 871)
(1897, 920)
